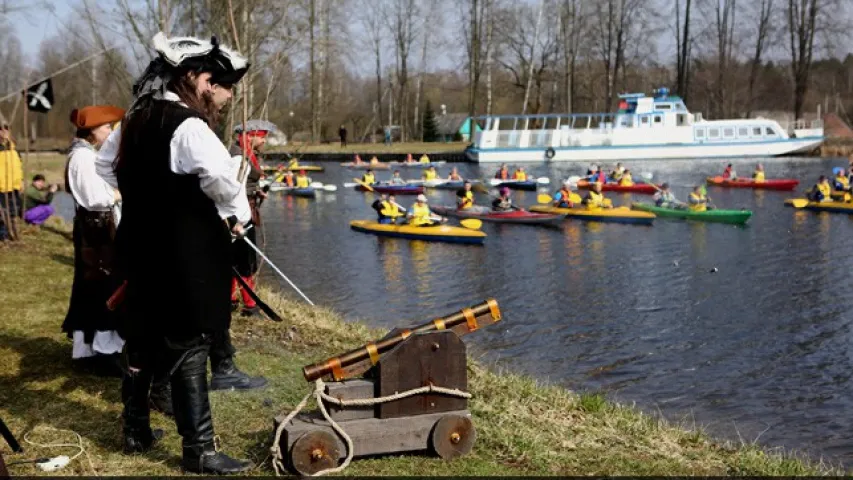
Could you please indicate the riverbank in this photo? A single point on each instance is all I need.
(836, 147)
(524, 427)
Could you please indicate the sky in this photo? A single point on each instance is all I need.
(32, 29)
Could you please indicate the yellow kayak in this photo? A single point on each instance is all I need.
(607, 215)
(438, 233)
(833, 207)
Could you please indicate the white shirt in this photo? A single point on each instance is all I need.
(89, 190)
(193, 150)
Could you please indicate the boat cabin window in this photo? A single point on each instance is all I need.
(645, 120)
(699, 133)
(769, 132)
(756, 132)
(663, 106)
(713, 133)
(681, 120)
(742, 132)
(729, 132)
(658, 118)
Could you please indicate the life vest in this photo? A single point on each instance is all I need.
(519, 175)
(503, 174)
(824, 189)
(758, 176)
(565, 198)
(841, 183)
(424, 159)
(288, 180)
(368, 178)
(594, 199)
(625, 180)
(430, 175)
(616, 174)
(293, 163)
(466, 200)
(374, 161)
(388, 209)
(420, 215)
(302, 181)
(697, 202)
(727, 173)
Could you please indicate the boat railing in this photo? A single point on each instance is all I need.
(801, 124)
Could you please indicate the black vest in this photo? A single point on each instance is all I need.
(172, 246)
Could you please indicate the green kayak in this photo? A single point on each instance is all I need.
(735, 217)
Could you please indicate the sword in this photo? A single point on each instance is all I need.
(10, 439)
(279, 272)
(263, 306)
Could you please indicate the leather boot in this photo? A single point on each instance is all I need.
(251, 312)
(138, 435)
(193, 418)
(226, 376)
(161, 397)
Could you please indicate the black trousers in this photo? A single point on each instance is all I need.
(184, 363)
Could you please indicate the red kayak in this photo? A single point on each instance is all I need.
(777, 184)
(646, 188)
(514, 216)
(395, 189)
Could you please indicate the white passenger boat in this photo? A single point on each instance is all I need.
(644, 127)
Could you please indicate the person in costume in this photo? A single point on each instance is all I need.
(249, 144)
(176, 253)
(89, 323)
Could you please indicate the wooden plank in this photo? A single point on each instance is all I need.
(348, 390)
(436, 358)
(371, 436)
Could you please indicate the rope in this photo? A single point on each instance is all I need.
(320, 396)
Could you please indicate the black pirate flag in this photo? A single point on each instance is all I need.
(40, 97)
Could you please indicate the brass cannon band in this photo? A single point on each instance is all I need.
(359, 360)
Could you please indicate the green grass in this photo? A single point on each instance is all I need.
(524, 427)
(415, 148)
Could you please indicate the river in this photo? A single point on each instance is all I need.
(744, 330)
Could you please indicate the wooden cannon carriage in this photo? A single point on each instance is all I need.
(412, 396)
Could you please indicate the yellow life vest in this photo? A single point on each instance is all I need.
(420, 215)
(758, 176)
(430, 175)
(519, 176)
(11, 169)
(625, 180)
(390, 210)
(595, 200)
(293, 163)
(424, 158)
(467, 201)
(843, 181)
(825, 189)
(374, 160)
(697, 207)
(368, 178)
(301, 181)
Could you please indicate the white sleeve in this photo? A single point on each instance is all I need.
(90, 191)
(196, 150)
(106, 156)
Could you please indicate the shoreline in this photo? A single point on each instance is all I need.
(525, 427)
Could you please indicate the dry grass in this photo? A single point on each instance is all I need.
(523, 427)
(415, 148)
(49, 164)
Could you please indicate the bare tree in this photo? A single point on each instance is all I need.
(371, 20)
(724, 23)
(613, 21)
(404, 28)
(474, 15)
(572, 22)
(802, 26)
(683, 42)
(764, 10)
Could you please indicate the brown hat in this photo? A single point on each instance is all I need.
(95, 116)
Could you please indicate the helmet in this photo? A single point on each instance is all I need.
(504, 190)
(302, 172)
(422, 198)
(567, 184)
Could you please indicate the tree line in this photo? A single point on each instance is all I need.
(366, 64)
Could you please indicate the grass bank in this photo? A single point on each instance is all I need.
(415, 148)
(524, 427)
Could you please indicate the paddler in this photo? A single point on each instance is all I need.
(286, 178)
(409, 158)
(503, 173)
(503, 203)
(424, 158)
(293, 164)
(626, 180)
(664, 198)
(430, 174)
(563, 198)
(595, 199)
(387, 209)
(697, 201)
(758, 174)
(597, 174)
(369, 178)
(520, 174)
(729, 172)
(374, 160)
(617, 172)
(396, 179)
(464, 197)
(358, 160)
(454, 175)
(821, 191)
(420, 215)
(841, 182)
(302, 180)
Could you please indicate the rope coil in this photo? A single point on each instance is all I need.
(320, 397)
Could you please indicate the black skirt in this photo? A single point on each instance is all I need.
(94, 278)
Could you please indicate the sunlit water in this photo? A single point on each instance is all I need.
(759, 348)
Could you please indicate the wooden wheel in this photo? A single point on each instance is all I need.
(453, 436)
(315, 451)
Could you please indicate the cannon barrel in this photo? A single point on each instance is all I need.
(464, 321)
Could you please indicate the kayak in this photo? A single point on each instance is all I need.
(442, 184)
(734, 217)
(832, 207)
(604, 215)
(307, 168)
(395, 189)
(518, 185)
(299, 192)
(646, 188)
(776, 184)
(367, 166)
(515, 216)
(418, 164)
(437, 233)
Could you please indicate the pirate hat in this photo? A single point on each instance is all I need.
(256, 126)
(95, 116)
(226, 66)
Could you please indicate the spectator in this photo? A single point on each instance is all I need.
(11, 178)
(37, 199)
(343, 134)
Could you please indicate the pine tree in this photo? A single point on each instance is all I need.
(429, 125)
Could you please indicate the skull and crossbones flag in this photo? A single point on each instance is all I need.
(40, 97)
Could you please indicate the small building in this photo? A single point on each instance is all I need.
(452, 126)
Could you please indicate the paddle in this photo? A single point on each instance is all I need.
(359, 182)
(254, 296)
(799, 202)
(321, 186)
(541, 180)
(548, 199)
